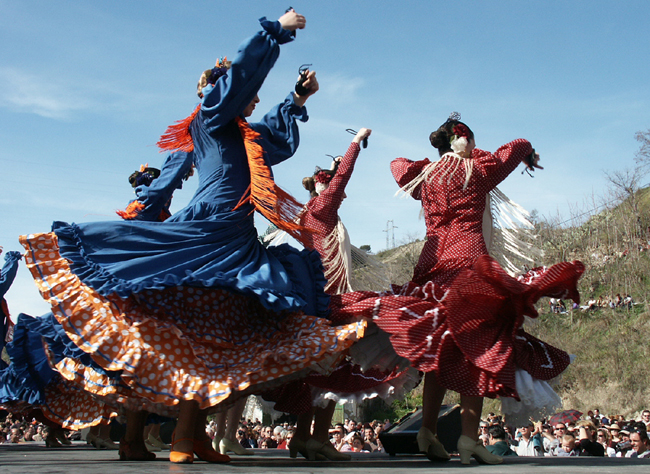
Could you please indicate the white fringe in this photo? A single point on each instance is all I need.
(434, 169)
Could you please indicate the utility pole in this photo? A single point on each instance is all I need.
(390, 234)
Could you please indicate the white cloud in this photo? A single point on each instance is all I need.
(38, 94)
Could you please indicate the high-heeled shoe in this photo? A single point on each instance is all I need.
(150, 447)
(63, 439)
(52, 442)
(157, 442)
(299, 446)
(181, 457)
(90, 438)
(468, 448)
(215, 443)
(314, 448)
(101, 443)
(430, 445)
(204, 451)
(129, 453)
(226, 445)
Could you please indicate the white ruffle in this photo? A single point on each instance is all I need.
(374, 350)
(538, 400)
(395, 389)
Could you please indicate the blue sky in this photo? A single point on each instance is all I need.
(87, 87)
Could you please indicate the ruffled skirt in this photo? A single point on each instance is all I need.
(173, 343)
(471, 335)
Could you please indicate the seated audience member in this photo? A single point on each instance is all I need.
(602, 437)
(586, 444)
(370, 442)
(568, 447)
(530, 443)
(552, 441)
(645, 418)
(357, 444)
(640, 445)
(498, 444)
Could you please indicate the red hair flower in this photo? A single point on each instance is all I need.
(461, 130)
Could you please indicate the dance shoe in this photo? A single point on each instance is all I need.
(315, 448)
(430, 445)
(215, 443)
(129, 453)
(468, 448)
(299, 446)
(157, 442)
(204, 451)
(150, 447)
(181, 457)
(63, 439)
(105, 444)
(226, 445)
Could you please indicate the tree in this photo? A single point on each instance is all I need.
(365, 248)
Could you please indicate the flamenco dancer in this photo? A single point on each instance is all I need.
(327, 192)
(7, 276)
(460, 318)
(194, 311)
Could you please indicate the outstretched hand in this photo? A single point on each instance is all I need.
(532, 164)
(361, 134)
(310, 84)
(292, 21)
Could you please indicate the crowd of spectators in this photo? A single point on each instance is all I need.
(15, 429)
(594, 435)
(611, 302)
(345, 437)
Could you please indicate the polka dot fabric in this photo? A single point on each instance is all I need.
(461, 315)
(207, 345)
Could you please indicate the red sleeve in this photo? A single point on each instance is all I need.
(498, 165)
(325, 206)
(405, 170)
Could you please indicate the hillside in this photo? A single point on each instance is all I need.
(610, 345)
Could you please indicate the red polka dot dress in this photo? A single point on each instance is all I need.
(461, 315)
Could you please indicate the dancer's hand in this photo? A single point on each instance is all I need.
(292, 21)
(361, 134)
(532, 164)
(312, 86)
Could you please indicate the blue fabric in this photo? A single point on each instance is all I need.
(207, 243)
(7, 276)
(156, 196)
(29, 372)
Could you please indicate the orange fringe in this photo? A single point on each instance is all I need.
(132, 211)
(177, 136)
(268, 198)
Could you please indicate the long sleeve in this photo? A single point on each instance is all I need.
(155, 196)
(325, 206)
(405, 170)
(235, 90)
(9, 271)
(498, 165)
(279, 130)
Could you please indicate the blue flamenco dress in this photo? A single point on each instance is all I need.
(194, 307)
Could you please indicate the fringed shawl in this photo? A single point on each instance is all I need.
(437, 170)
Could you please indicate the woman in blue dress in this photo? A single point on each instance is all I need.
(194, 311)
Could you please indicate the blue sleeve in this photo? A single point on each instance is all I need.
(156, 196)
(234, 91)
(279, 130)
(9, 271)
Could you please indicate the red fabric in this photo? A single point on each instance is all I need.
(461, 315)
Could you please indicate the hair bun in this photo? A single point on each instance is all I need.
(439, 139)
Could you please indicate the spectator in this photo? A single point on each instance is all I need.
(568, 447)
(586, 444)
(602, 437)
(357, 444)
(527, 443)
(498, 444)
(645, 418)
(640, 445)
(552, 442)
(337, 439)
(369, 439)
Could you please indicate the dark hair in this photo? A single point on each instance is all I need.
(310, 183)
(441, 138)
(497, 432)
